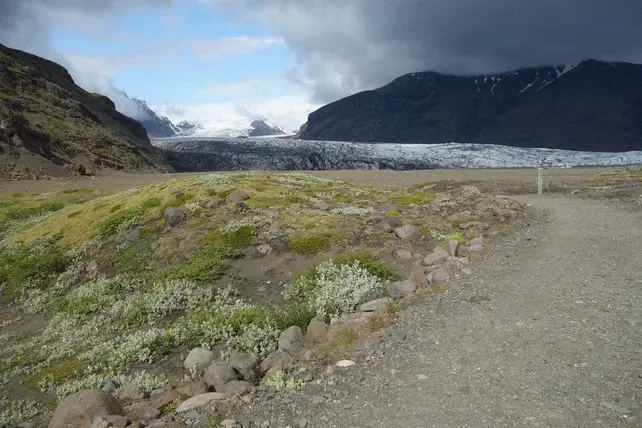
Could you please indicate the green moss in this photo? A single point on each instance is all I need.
(309, 244)
(110, 225)
(74, 214)
(116, 208)
(179, 200)
(393, 213)
(241, 237)
(151, 203)
(22, 262)
(418, 197)
(453, 237)
(57, 374)
(131, 257)
(211, 261)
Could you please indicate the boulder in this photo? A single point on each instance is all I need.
(99, 423)
(264, 249)
(476, 241)
(118, 421)
(193, 389)
(174, 216)
(385, 226)
(452, 246)
(200, 401)
(245, 365)
(291, 338)
(131, 393)
(218, 374)
(317, 332)
(80, 409)
(436, 257)
(236, 387)
(475, 248)
(418, 274)
(401, 289)
(378, 305)
(198, 359)
(278, 360)
(393, 221)
(403, 254)
(408, 231)
(439, 276)
(237, 196)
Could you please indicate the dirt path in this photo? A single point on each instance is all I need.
(546, 334)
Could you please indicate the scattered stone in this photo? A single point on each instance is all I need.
(466, 271)
(475, 248)
(237, 196)
(439, 276)
(246, 365)
(385, 226)
(174, 216)
(408, 231)
(264, 249)
(401, 289)
(463, 251)
(236, 388)
(193, 389)
(418, 274)
(81, 408)
(436, 257)
(167, 397)
(422, 377)
(143, 410)
(317, 332)
(317, 399)
(198, 359)
(240, 207)
(228, 423)
(403, 254)
(345, 363)
(200, 401)
(109, 387)
(218, 374)
(378, 305)
(291, 338)
(452, 246)
(279, 360)
(321, 205)
(131, 393)
(398, 335)
(302, 423)
(394, 222)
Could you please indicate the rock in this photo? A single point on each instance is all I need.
(279, 360)
(200, 401)
(401, 289)
(264, 249)
(99, 423)
(378, 305)
(193, 389)
(109, 387)
(228, 423)
(236, 387)
(321, 205)
(403, 254)
(476, 241)
(167, 397)
(393, 221)
(143, 410)
(408, 231)
(345, 363)
(174, 216)
(418, 274)
(475, 248)
(218, 374)
(198, 359)
(291, 338)
(245, 365)
(302, 423)
(385, 226)
(239, 207)
(131, 393)
(237, 196)
(317, 332)
(452, 246)
(436, 257)
(466, 271)
(463, 251)
(439, 276)
(118, 421)
(80, 409)
(317, 399)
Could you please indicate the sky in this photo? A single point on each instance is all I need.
(228, 62)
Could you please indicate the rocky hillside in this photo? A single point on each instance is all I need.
(186, 300)
(591, 106)
(49, 126)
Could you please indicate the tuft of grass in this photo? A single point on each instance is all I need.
(370, 263)
(58, 373)
(179, 200)
(309, 244)
(342, 343)
(110, 225)
(131, 256)
(393, 213)
(418, 197)
(453, 236)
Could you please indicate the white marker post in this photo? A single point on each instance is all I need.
(539, 181)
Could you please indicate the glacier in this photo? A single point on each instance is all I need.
(212, 153)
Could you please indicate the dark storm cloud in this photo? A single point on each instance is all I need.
(348, 45)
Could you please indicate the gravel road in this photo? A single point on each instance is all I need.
(547, 333)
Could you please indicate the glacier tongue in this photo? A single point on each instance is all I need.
(207, 153)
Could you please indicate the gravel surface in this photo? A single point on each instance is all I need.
(545, 333)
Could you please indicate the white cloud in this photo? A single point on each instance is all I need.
(217, 48)
(288, 112)
(240, 89)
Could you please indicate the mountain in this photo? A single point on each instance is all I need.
(156, 126)
(185, 128)
(49, 126)
(593, 105)
(262, 129)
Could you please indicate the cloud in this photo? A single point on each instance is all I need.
(218, 48)
(240, 89)
(344, 46)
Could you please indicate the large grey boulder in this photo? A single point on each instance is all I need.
(291, 338)
(174, 216)
(245, 365)
(436, 257)
(401, 289)
(218, 374)
(317, 331)
(378, 305)
(198, 359)
(237, 196)
(199, 401)
(407, 231)
(80, 409)
(278, 360)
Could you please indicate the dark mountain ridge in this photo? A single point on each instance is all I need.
(593, 105)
